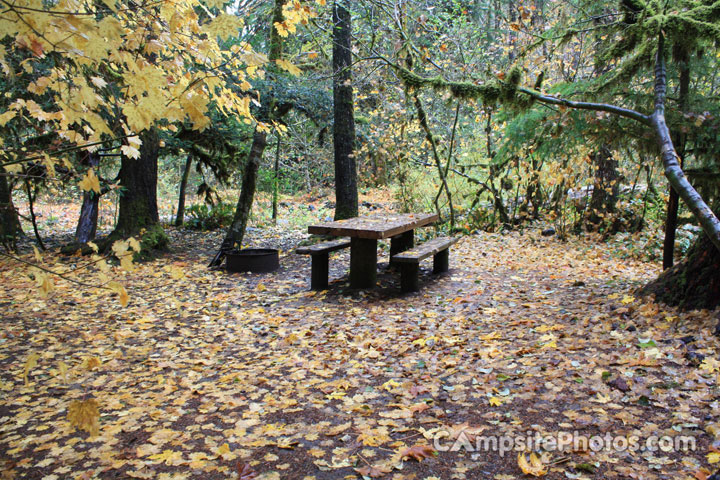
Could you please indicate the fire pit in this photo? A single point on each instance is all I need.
(256, 260)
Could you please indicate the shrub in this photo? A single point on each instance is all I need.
(202, 217)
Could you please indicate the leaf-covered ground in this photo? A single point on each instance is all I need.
(219, 375)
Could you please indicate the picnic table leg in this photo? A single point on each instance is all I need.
(363, 263)
(320, 271)
(441, 261)
(400, 243)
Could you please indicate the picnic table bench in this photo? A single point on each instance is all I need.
(410, 260)
(320, 266)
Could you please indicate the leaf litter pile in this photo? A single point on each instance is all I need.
(217, 375)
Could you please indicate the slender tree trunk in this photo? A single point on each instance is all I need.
(138, 210)
(180, 215)
(236, 233)
(346, 194)
(422, 119)
(683, 59)
(10, 228)
(87, 223)
(32, 195)
(276, 181)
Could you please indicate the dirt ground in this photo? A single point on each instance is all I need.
(219, 375)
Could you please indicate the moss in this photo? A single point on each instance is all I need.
(489, 93)
(152, 239)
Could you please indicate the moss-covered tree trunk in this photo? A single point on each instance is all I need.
(346, 194)
(693, 283)
(10, 228)
(138, 212)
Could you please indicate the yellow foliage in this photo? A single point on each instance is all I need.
(535, 467)
(90, 182)
(30, 363)
(85, 415)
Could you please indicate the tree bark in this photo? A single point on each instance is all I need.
(10, 228)
(606, 186)
(236, 233)
(276, 182)
(87, 223)
(138, 212)
(671, 218)
(180, 215)
(693, 283)
(346, 194)
(678, 180)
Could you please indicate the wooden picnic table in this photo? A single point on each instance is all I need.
(365, 231)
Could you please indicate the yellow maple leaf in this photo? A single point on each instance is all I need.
(122, 293)
(44, 282)
(63, 369)
(7, 116)
(134, 244)
(713, 457)
(281, 29)
(91, 363)
(710, 365)
(90, 182)
(85, 415)
(130, 151)
(30, 363)
(224, 448)
(225, 26)
(627, 299)
(169, 457)
(288, 67)
(495, 401)
(535, 467)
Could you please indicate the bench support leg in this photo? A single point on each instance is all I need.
(363, 263)
(410, 277)
(320, 271)
(400, 243)
(441, 261)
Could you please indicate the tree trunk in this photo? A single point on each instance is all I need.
(276, 182)
(10, 228)
(683, 59)
(180, 215)
(138, 213)
(693, 283)
(606, 187)
(236, 233)
(87, 223)
(674, 173)
(346, 195)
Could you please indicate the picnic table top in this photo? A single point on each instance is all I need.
(376, 226)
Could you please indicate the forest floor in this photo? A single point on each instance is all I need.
(218, 375)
